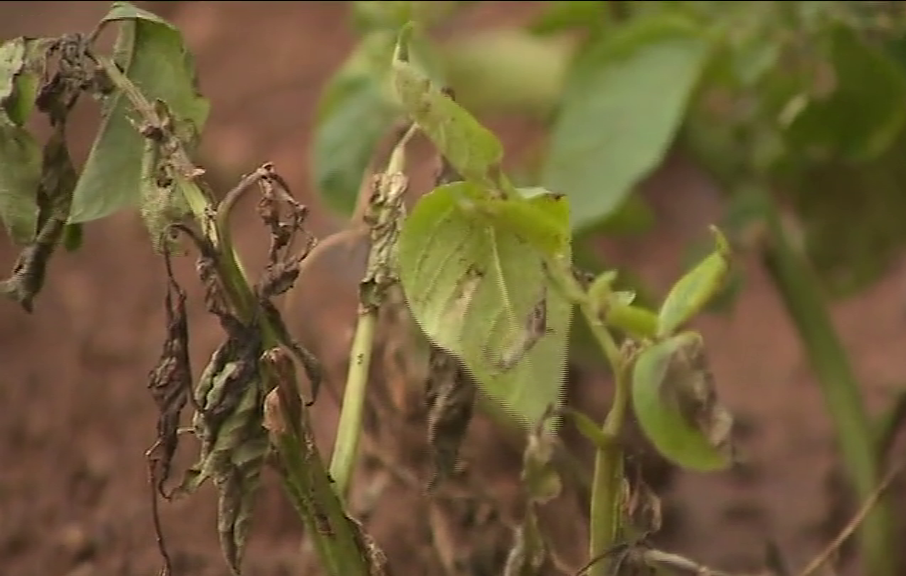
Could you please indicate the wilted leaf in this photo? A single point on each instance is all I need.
(693, 291)
(863, 113)
(625, 99)
(234, 442)
(479, 290)
(449, 398)
(20, 153)
(53, 197)
(469, 147)
(542, 482)
(528, 553)
(160, 202)
(675, 401)
(152, 55)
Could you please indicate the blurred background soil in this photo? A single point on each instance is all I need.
(76, 418)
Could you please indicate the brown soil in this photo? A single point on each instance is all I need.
(75, 417)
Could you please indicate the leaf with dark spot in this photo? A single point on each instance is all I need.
(54, 196)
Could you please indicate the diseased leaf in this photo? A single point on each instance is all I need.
(675, 401)
(152, 55)
(625, 99)
(234, 444)
(542, 482)
(449, 398)
(20, 153)
(469, 147)
(693, 291)
(160, 202)
(53, 198)
(479, 290)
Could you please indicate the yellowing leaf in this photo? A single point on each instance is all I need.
(479, 290)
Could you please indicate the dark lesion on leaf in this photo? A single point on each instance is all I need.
(533, 329)
(229, 398)
(72, 74)
(689, 386)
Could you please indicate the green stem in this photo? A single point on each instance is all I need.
(381, 218)
(343, 461)
(314, 500)
(805, 304)
(605, 508)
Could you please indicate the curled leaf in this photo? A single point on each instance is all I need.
(54, 195)
(170, 382)
(20, 153)
(540, 476)
(693, 291)
(234, 442)
(675, 401)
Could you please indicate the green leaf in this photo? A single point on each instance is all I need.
(152, 55)
(567, 14)
(863, 114)
(353, 114)
(478, 289)
(20, 153)
(693, 291)
(535, 215)
(675, 402)
(508, 71)
(624, 102)
(383, 15)
(470, 147)
(356, 109)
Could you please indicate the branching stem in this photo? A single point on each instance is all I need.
(605, 509)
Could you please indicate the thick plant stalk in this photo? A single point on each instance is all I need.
(804, 302)
(340, 548)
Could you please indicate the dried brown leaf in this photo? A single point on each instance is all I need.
(449, 398)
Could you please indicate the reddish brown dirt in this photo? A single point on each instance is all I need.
(75, 416)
